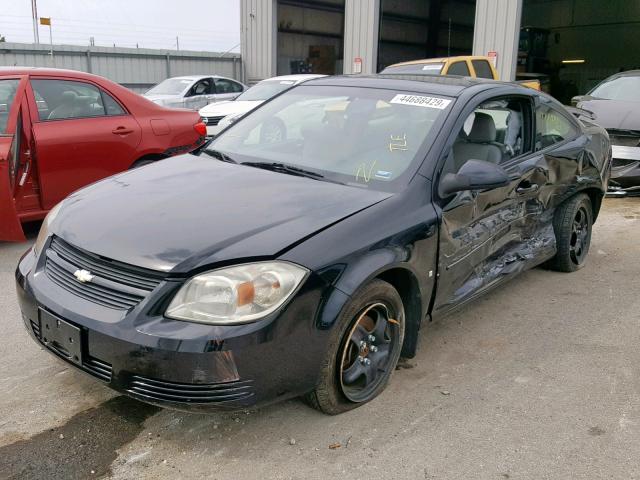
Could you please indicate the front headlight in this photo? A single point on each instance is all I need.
(43, 234)
(237, 294)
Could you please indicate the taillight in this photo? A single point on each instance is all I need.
(201, 128)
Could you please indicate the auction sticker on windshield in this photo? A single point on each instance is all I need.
(421, 101)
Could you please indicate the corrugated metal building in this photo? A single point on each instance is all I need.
(136, 68)
(351, 36)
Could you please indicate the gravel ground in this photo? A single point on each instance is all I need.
(539, 379)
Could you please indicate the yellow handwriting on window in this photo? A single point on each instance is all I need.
(366, 173)
(398, 142)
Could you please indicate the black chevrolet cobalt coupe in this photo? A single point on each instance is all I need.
(300, 252)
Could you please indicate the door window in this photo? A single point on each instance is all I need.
(8, 89)
(459, 68)
(66, 99)
(482, 68)
(227, 86)
(552, 127)
(202, 87)
(495, 132)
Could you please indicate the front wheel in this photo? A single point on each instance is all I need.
(364, 350)
(572, 225)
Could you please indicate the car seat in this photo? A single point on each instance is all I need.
(480, 143)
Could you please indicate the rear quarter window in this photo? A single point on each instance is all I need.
(459, 68)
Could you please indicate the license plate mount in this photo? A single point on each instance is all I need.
(61, 336)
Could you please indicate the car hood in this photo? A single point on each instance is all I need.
(228, 108)
(614, 113)
(188, 211)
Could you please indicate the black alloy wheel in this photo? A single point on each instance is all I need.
(367, 352)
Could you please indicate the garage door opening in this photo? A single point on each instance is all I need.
(416, 29)
(310, 36)
(572, 45)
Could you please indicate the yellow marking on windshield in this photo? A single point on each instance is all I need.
(398, 142)
(366, 176)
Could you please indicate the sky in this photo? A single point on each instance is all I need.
(208, 25)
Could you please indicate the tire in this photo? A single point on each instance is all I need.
(346, 382)
(572, 226)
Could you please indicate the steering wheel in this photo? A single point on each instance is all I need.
(273, 130)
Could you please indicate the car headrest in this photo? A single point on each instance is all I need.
(483, 129)
(83, 100)
(68, 96)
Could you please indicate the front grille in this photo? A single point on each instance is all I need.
(98, 368)
(624, 138)
(212, 121)
(114, 284)
(218, 393)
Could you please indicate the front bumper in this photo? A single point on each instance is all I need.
(177, 364)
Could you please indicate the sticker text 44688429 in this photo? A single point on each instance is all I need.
(421, 101)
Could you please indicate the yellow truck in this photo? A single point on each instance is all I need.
(465, 66)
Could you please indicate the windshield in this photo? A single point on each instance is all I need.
(420, 68)
(622, 88)
(357, 136)
(265, 90)
(170, 86)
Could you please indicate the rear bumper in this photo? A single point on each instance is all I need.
(183, 365)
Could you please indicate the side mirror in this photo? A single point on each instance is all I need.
(579, 98)
(474, 175)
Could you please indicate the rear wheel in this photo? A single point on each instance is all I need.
(364, 351)
(572, 225)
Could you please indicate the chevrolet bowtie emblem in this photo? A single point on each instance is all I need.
(83, 276)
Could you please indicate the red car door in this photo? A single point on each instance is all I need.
(11, 164)
(82, 134)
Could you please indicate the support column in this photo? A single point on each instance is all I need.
(361, 32)
(258, 38)
(497, 29)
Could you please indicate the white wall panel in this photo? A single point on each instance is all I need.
(497, 29)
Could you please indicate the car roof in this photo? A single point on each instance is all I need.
(448, 85)
(195, 77)
(296, 78)
(628, 73)
(441, 60)
(4, 71)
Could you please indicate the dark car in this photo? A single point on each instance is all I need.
(303, 261)
(615, 104)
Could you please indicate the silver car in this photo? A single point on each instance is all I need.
(194, 91)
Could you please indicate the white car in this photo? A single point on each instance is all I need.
(194, 91)
(222, 114)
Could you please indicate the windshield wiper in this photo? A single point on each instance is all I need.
(223, 157)
(283, 168)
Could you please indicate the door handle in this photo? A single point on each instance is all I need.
(527, 187)
(122, 131)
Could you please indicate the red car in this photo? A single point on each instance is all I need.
(61, 130)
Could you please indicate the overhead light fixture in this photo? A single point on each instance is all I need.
(579, 60)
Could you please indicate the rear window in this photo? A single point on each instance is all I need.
(459, 68)
(482, 68)
(8, 89)
(418, 68)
